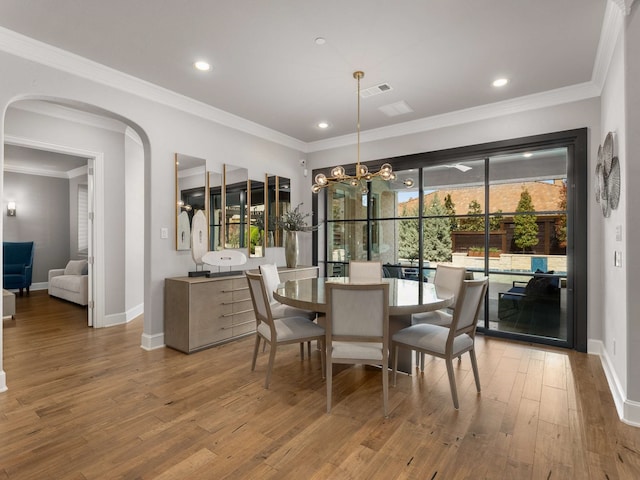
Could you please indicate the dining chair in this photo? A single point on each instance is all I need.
(271, 279)
(362, 272)
(449, 278)
(357, 329)
(279, 331)
(450, 341)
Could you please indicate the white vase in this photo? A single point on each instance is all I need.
(291, 248)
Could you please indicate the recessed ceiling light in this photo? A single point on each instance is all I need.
(527, 155)
(500, 82)
(320, 41)
(202, 66)
(323, 125)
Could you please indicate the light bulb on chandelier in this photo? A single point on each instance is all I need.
(362, 175)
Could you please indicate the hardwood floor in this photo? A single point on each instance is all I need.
(91, 404)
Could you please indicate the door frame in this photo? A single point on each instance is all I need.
(95, 160)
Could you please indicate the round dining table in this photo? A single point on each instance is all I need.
(406, 297)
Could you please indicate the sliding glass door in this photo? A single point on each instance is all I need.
(507, 213)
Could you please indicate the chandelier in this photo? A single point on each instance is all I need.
(362, 175)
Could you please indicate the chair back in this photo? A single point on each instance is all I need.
(361, 272)
(465, 316)
(450, 278)
(259, 298)
(271, 279)
(357, 312)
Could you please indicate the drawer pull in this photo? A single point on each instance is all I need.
(235, 290)
(237, 313)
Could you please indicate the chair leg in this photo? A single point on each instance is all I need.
(329, 381)
(255, 352)
(309, 349)
(474, 365)
(272, 357)
(422, 362)
(452, 382)
(395, 364)
(385, 386)
(323, 359)
(301, 350)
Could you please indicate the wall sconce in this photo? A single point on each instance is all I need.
(11, 209)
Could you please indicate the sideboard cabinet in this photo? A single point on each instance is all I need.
(201, 312)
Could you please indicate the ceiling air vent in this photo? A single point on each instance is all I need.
(395, 109)
(377, 90)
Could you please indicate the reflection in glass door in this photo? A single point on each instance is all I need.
(528, 193)
(505, 217)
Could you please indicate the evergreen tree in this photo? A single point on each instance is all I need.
(495, 220)
(408, 245)
(561, 223)
(450, 207)
(437, 232)
(525, 230)
(473, 224)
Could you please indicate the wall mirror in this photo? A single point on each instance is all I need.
(216, 223)
(278, 202)
(258, 218)
(190, 195)
(235, 193)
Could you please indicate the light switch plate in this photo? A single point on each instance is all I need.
(618, 233)
(164, 232)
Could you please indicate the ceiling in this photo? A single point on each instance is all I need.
(437, 56)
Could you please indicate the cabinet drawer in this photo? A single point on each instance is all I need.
(208, 330)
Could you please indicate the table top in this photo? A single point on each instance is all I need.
(404, 295)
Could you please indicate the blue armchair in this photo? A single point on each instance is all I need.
(17, 265)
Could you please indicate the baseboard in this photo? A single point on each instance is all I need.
(134, 312)
(114, 319)
(152, 342)
(3, 381)
(628, 410)
(33, 287)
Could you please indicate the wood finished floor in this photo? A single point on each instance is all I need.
(91, 404)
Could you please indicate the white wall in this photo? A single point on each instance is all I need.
(134, 224)
(613, 311)
(631, 172)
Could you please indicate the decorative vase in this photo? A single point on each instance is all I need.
(291, 248)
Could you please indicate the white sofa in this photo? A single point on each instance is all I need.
(70, 283)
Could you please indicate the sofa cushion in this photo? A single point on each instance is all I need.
(71, 283)
(75, 267)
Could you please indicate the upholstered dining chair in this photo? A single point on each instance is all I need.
(450, 278)
(271, 279)
(357, 329)
(280, 331)
(362, 272)
(450, 341)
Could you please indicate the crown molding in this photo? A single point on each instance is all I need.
(535, 101)
(36, 51)
(43, 172)
(612, 24)
(61, 112)
(623, 5)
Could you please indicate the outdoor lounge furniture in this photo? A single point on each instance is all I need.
(533, 306)
(17, 267)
